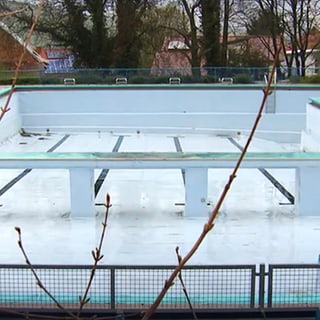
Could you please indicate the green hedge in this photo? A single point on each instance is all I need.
(242, 78)
(312, 79)
(31, 80)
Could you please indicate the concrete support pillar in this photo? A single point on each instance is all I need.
(271, 103)
(82, 192)
(307, 197)
(196, 185)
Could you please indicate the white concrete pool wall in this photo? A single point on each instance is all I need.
(179, 109)
(11, 121)
(310, 138)
(166, 108)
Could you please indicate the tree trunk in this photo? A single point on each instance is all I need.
(225, 32)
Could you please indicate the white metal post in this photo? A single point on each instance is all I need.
(82, 192)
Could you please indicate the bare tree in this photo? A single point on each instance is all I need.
(160, 22)
(297, 21)
(265, 22)
(191, 38)
(300, 25)
(227, 5)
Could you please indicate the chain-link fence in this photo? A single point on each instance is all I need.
(128, 287)
(136, 287)
(294, 285)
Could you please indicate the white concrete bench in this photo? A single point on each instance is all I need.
(81, 167)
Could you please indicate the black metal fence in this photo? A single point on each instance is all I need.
(136, 287)
(294, 285)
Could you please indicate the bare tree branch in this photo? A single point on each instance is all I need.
(11, 13)
(184, 288)
(97, 257)
(210, 223)
(38, 280)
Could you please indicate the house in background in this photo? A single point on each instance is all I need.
(173, 59)
(11, 48)
(59, 60)
(174, 54)
(51, 60)
(312, 55)
(254, 47)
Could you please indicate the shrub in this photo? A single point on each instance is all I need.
(311, 79)
(295, 79)
(89, 79)
(32, 80)
(138, 79)
(209, 79)
(5, 81)
(242, 78)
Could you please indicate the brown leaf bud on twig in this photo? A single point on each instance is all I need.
(178, 255)
(207, 227)
(107, 204)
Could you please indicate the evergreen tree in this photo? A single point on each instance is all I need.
(86, 33)
(127, 42)
(101, 33)
(210, 18)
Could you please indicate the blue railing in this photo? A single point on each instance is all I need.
(56, 73)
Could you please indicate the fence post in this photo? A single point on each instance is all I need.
(112, 289)
(262, 275)
(270, 285)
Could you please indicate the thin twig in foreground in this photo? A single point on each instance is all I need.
(38, 280)
(97, 257)
(184, 288)
(210, 224)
